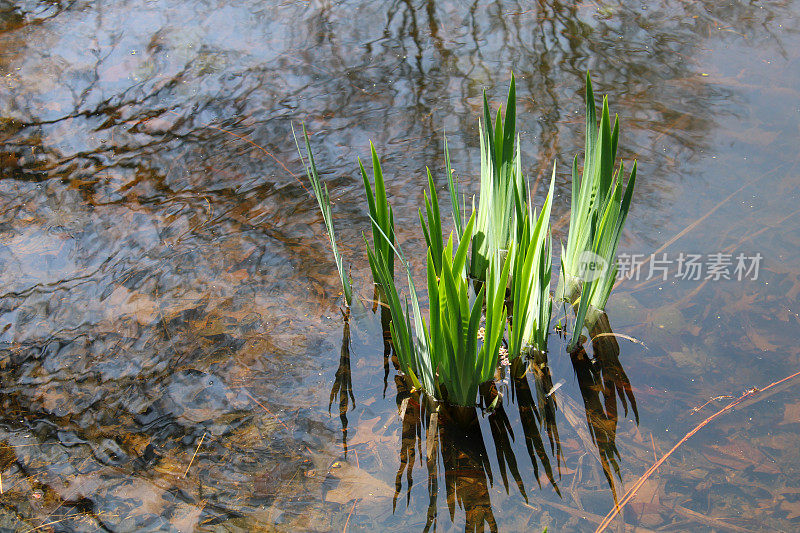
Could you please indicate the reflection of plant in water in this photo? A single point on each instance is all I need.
(463, 456)
(503, 436)
(453, 438)
(342, 383)
(533, 417)
(615, 381)
(411, 439)
(601, 381)
(467, 473)
(455, 441)
(602, 425)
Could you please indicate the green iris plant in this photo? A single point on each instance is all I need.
(444, 356)
(502, 251)
(600, 206)
(324, 201)
(380, 212)
(531, 305)
(503, 190)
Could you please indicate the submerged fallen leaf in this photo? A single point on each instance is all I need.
(371, 432)
(740, 456)
(791, 414)
(647, 503)
(792, 508)
(147, 497)
(760, 341)
(123, 302)
(693, 359)
(355, 483)
(186, 517)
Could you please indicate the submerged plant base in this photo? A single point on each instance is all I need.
(578, 346)
(519, 367)
(603, 339)
(568, 288)
(449, 414)
(464, 417)
(597, 318)
(446, 413)
(524, 365)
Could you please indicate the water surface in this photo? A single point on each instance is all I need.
(172, 351)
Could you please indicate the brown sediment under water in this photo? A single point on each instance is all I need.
(172, 354)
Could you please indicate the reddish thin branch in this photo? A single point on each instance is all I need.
(247, 140)
(636, 486)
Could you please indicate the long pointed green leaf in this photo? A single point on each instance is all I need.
(452, 185)
(323, 200)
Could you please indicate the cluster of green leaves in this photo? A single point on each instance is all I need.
(408, 339)
(531, 305)
(432, 228)
(598, 212)
(455, 320)
(510, 248)
(444, 357)
(503, 190)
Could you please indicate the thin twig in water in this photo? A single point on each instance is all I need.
(195, 454)
(245, 139)
(716, 523)
(576, 513)
(353, 508)
(244, 390)
(653, 442)
(622, 336)
(700, 408)
(48, 524)
(636, 486)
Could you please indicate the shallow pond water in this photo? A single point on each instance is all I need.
(172, 354)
